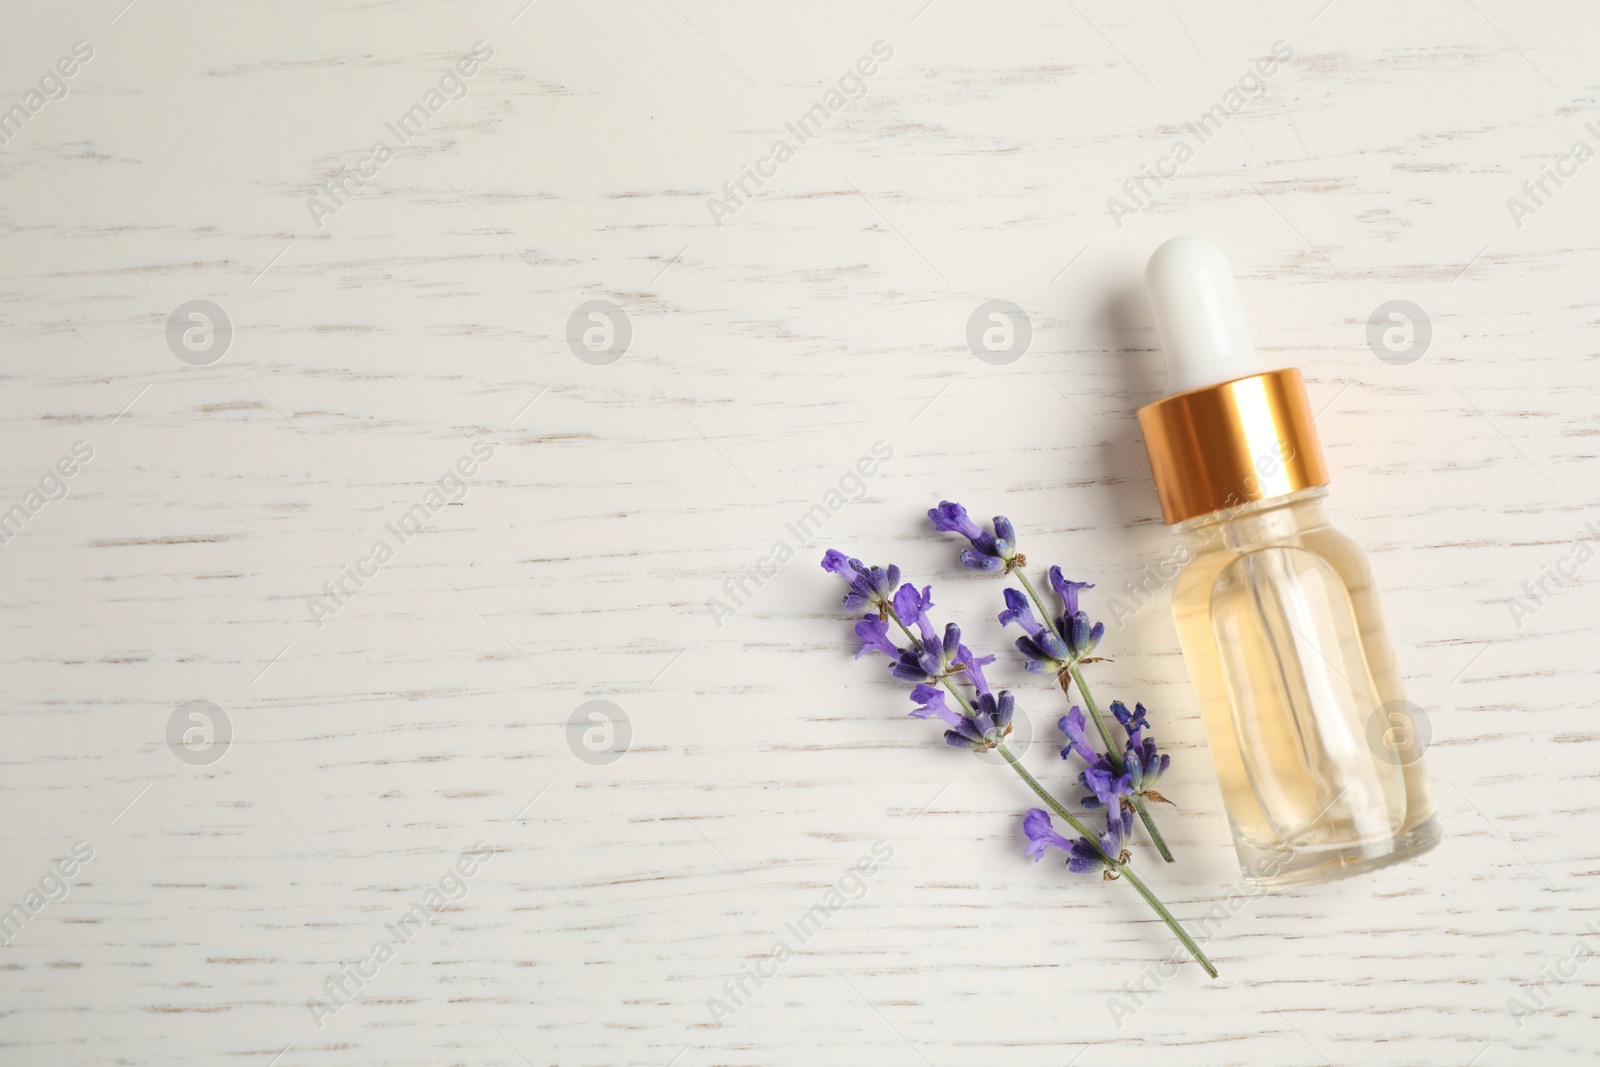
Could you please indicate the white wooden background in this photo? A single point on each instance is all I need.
(430, 713)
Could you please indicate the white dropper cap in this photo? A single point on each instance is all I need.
(1198, 317)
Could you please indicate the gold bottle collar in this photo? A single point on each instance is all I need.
(1223, 446)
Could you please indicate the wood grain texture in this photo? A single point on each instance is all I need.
(429, 314)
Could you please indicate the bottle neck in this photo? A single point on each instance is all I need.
(1250, 439)
(1258, 521)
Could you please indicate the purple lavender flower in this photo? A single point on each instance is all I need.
(869, 586)
(930, 704)
(1145, 767)
(995, 551)
(974, 668)
(1134, 722)
(1144, 763)
(930, 655)
(1067, 590)
(931, 659)
(1041, 833)
(990, 723)
(917, 665)
(1073, 725)
(1103, 778)
(1081, 634)
(1083, 856)
(911, 607)
(1073, 624)
(925, 660)
(1086, 858)
(874, 634)
(988, 726)
(1019, 611)
(1106, 787)
(1042, 647)
(1105, 853)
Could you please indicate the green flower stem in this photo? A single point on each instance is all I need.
(1044, 795)
(949, 686)
(1095, 714)
(1113, 750)
(1167, 917)
(1138, 801)
(1150, 825)
(1081, 830)
(1076, 673)
(1121, 868)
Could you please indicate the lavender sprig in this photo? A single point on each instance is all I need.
(1060, 644)
(981, 720)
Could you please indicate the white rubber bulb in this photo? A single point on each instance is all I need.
(1198, 317)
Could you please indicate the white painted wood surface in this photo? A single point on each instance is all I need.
(429, 314)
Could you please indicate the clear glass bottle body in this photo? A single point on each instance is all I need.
(1316, 747)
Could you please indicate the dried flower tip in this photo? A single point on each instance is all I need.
(992, 552)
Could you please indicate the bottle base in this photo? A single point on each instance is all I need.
(1309, 865)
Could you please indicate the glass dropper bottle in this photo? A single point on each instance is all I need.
(1316, 747)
